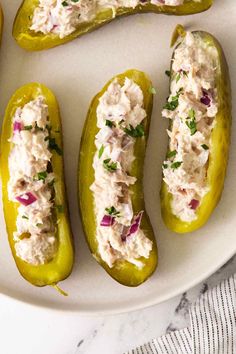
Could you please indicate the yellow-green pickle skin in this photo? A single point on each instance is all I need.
(219, 151)
(60, 267)
(122, 271)
(33, 41)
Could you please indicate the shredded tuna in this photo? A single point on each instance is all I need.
(63, 17)
(119, 113)
(192, 107)
(30, 184)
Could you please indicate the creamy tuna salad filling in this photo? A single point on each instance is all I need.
(63, 17)
(31, 183)
(191, 107)
(119, 118)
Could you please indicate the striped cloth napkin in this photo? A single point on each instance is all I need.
(212, 326)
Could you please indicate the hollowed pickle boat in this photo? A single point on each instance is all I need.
(124, 272)
(60, 266)
(33, 41)
(219, 151)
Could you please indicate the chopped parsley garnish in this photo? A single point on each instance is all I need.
(112, 211)
(191, 113)
(64, 3)
(176, 164)
(27, 127)
(53, 145)
(100, 152)
(179, 73)
(25, 217)
(152, 90)
(109, 123)
(192, 126)
(171, 153)
(135, 132)
(39, 224)
(205, 147)
(177, 78)
(164, 165)
(191, 122)
(60, 208)
(167, 72)
(173, 104)
(42, 176)
(110, 165)
(75, 0)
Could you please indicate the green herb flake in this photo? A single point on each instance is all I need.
(152, 90)
(100, 152)
(173, 104)
(171, 153)
(177, 78)
(205, 147)
(191, 113)
(112, 211)
(53, 145)
(167, 72)
(25, 217)
(191, 122)
(164, 165)
(109, 123)
(176, 165)
(135, 132)
(192, 126)
(28, 127)
(110, 165)
(65, 3)
(42, 176)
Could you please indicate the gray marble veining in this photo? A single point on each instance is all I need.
(117, 334)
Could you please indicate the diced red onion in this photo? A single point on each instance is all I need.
(194, 204)
(17, 127)
(134, 226)
(107, 220)
(26, 199)
(205, 99)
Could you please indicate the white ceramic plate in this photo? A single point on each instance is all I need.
(76, 72)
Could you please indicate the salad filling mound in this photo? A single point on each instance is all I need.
(63, 17)
(119, 118)
(31, 183)
(191, 107)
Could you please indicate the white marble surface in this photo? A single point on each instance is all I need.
(28, 330)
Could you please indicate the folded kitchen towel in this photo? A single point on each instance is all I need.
(212, 326)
